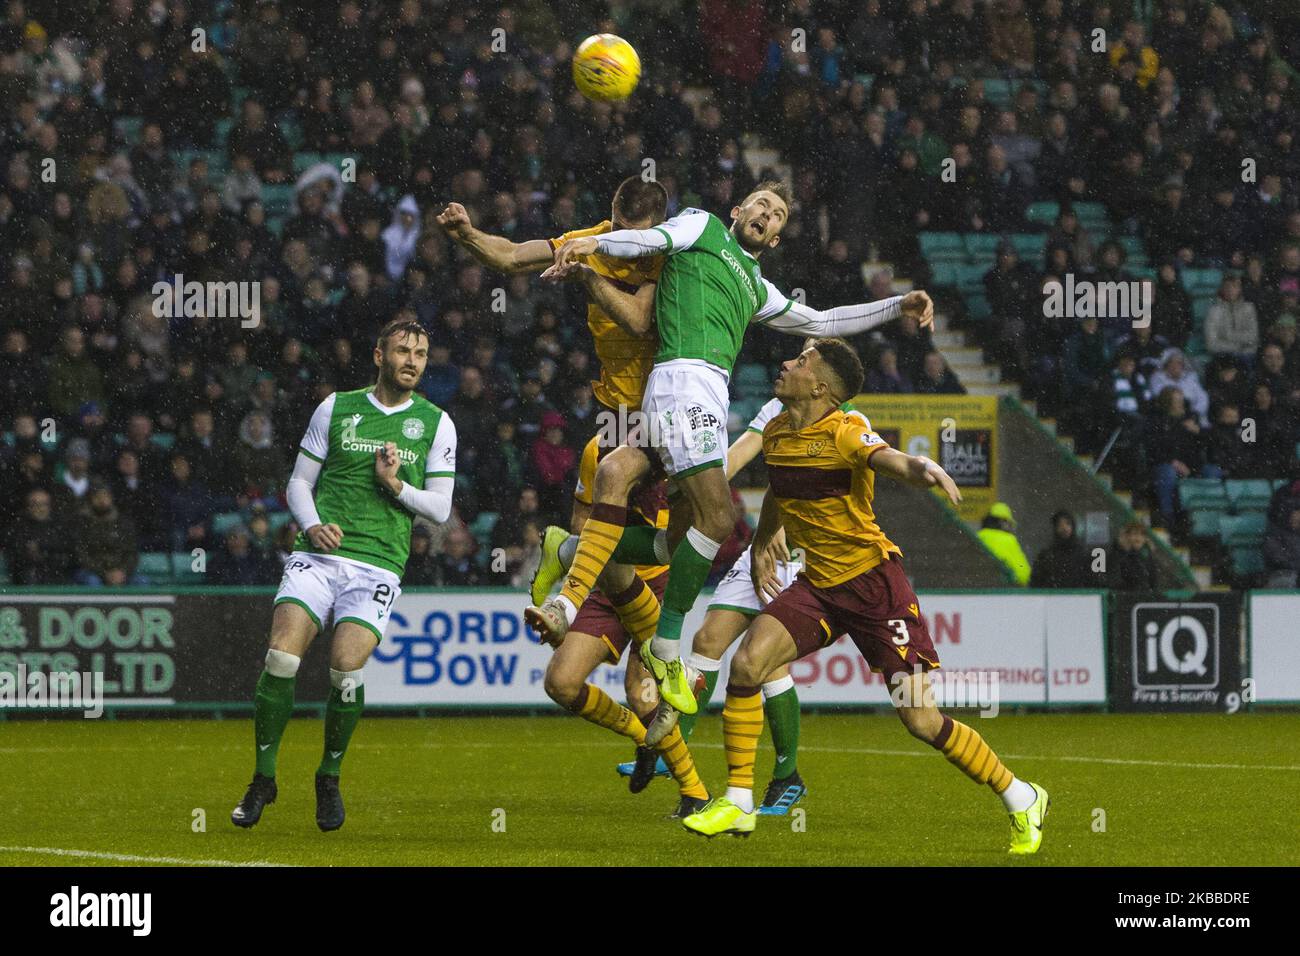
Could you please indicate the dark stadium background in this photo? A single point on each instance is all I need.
(130, 157)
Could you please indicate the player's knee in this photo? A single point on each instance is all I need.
(710, 642)
(560, 688)
(617, 473)
(746, 670)
(923, 723)
(716, 523)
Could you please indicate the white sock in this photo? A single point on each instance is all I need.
(570, 609)
(665, 649)
(282, 663)
(778, 686)
(742, 798)
(567, 549)
(705, 664)
(701, 542)
(661, 547)
(1019, 796)
(342, 680)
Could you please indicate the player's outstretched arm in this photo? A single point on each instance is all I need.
(916, 470)
(742, 451)
(786, 315)
(495, 252)
(675, 235)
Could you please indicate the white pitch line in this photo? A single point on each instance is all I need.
(129, 857)
(1070, 759)
(870, 751)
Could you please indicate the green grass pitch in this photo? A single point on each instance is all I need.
(1174, 790)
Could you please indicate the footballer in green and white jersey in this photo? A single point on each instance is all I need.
(370, 459)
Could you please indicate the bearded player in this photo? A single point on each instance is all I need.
(620, 318)
(371, 459)
(709, 291)
(822, 465)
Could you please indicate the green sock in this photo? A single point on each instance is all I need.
(783, 717)
(340, 720)
(686, 576)
(637, 546)
(272, 708)
(686, 723)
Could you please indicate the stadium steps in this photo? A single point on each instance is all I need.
(1039, 474)
(1203, 573)
(967, 361)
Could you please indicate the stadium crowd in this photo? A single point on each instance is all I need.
(307, 147)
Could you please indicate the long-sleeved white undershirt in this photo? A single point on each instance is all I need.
(778, 311)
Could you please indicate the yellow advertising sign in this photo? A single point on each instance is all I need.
(957, 431)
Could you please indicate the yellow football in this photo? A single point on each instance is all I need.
(606, 67)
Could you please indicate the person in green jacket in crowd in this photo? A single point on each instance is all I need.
(998, 534)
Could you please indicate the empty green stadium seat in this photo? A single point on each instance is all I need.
(1200, 307)
(1247, 561)
(128, 128)
(222, 128)
(1249, 494)
(481, 527)
(1043, 213)
(224, 521)
(1202, 493)
(183, 569)
(155, 565)
(1242, 530)
(1132, 245)
(998, 92)
(1090, 210)
(971, 278)
(1202, 280)
(1029, 247)
(1205, 522)
(942, 245)
(304, 161)
(981, 244)
(943, 273)
(277, 200)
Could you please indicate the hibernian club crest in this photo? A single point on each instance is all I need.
(413, 428)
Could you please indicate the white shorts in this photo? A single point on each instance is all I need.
(323, 585)
(735, 592)
(685, 407)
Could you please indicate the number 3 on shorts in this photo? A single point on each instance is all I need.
(900, 626)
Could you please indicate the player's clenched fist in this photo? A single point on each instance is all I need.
(919, 306)
(454, 220)
(386, 464)
(325, 537)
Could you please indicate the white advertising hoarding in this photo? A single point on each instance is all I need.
(466, 649)
(1275, 646)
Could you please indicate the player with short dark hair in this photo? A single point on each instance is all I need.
(619, 316)
(822, 465)
(370, 460)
